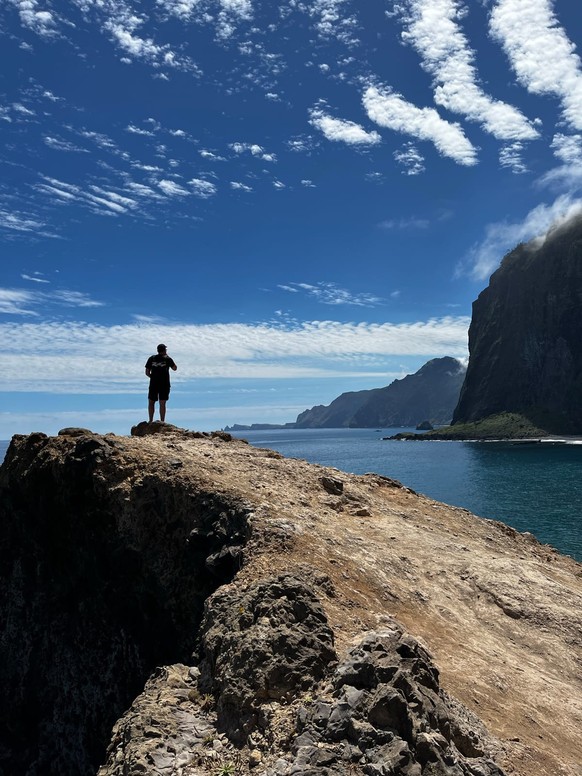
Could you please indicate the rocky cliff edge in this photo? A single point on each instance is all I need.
(183, 604)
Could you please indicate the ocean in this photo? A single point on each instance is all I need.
(531, 487)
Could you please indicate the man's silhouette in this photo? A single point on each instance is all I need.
(157, 368)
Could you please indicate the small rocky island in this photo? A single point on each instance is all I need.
(180, 604)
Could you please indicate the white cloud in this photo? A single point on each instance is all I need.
(205, 154)
(35, 278)
(254, 150)
(511, 156)
(302, 145)
(542, 56)
(392, 111)
(410, 158)
(503, 236)
(332, 23)
(18, 222)
(203, 189)
(342, 130)
(330, 293)
(413, 222)
(238, 186)
(72, 299)
(567, 148)
(22, 109)
(122, 23)
(308, 184)
(433, 29)
(97, 199)
(76, 357)
(132, 129)
(40, 21)
(172, 189)
(57, 144)
(17, 301)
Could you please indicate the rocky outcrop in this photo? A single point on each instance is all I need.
(104, 571)
(270, 693)
(431, 393)
(524, 338)
(182, 604)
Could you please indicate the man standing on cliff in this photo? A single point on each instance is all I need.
(157, 368)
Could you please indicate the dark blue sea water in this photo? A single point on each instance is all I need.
(536, 488)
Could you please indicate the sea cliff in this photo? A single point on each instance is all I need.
(524, 339)
(183, 603)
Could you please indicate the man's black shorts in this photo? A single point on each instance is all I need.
(161, 392)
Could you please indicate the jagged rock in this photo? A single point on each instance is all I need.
(332, 485)
(524, 338)
(388, 715)
(381, 711)
(265, 643)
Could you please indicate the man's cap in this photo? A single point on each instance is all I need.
(161, 347)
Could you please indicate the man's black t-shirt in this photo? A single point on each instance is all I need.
(159, 366)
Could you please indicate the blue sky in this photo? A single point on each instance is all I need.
(298, 198)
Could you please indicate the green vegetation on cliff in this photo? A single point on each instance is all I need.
(505, 425)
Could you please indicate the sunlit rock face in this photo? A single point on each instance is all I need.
(524, 340)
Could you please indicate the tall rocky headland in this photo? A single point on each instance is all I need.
(525, 340)
(183, 604)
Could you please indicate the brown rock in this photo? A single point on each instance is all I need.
(105, 552)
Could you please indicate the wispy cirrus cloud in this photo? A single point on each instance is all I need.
(36, 278)
(25, 302)
(58, 144)
(19, 223)
(389, 109)
(511, 157)
(330, 293)
(342, 130)
(543, 57)
(15, 301)
(433, 29)
(98, 200)
(413, 222)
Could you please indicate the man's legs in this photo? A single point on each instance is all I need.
(162, 410)
(152, 407)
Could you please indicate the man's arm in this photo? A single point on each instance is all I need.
(148, 372)
(173, 365)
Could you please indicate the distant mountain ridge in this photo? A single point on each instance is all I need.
(429, 394)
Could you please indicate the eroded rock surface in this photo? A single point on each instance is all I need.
(289, 606)
(269, 697)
